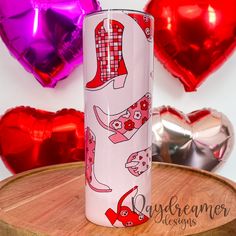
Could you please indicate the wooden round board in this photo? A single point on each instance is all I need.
(50, 201)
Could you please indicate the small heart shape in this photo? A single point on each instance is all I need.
(201, 139)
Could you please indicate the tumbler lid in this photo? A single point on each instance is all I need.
(119, 10)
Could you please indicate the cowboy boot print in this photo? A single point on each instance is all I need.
(124, 214)
(145, 24)
(126, 123)
(90, 177)
(139, 162)
(110, 62)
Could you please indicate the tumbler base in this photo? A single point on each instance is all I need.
(99, 222)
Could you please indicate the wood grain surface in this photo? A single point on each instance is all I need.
(50, 201)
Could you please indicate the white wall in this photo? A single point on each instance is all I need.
(17, 87)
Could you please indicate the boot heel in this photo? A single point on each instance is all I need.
(119, 81)
(111, 215)
(117, 138)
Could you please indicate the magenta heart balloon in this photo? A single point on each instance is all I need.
(45, 36)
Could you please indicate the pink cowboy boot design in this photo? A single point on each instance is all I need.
(110, 61)
(127, 123)
(90, 177)
(124, 213)
(145, 24)
(139, 162)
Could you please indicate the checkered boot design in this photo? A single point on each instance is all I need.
(110, 62)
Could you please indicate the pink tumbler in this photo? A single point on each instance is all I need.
(118, 73)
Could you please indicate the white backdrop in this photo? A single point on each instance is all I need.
(17, 87)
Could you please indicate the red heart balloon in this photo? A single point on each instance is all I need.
(193, 37)
(31, 138)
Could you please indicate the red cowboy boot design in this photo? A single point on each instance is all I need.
(90, 177)
(128, 122)
(145, 23)
(139, 162)
(110, 61)
(124, 214)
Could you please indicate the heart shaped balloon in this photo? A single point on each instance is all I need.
(193, 37)
(201, 139)
(31, 138)
(45, 36)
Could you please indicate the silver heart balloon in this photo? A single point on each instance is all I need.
(201, 139)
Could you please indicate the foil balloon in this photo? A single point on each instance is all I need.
(45, 36)
(193, 37)
(31, 138)
(202, 139)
